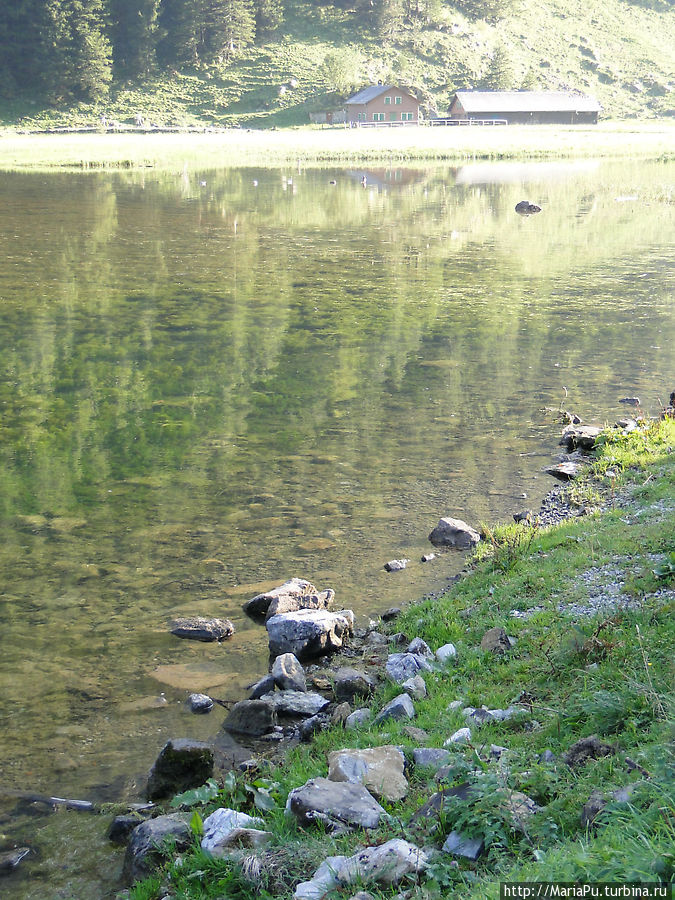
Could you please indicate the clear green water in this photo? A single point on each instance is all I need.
(208, 385)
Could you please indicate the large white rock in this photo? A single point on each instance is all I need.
(308, 632)
(323, 880)
(380, 769)
(386, 864)
(221, 823)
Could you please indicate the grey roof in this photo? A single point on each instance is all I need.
(374, 90)
(526, 101)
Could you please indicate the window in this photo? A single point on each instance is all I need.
(378, 117)
(387, 101)
(398, 100)
(406, 117)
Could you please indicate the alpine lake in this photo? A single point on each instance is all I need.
(213, 381)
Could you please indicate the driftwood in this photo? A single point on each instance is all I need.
(31, 797)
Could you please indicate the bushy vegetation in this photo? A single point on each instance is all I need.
(605, 672)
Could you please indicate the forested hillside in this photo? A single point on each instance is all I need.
(224, 62)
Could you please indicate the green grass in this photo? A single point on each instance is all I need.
(609, 674)
(317, 146)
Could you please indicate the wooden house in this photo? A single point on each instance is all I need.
(383, 104)
(526, 107)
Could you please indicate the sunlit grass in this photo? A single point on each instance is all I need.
(242, 147)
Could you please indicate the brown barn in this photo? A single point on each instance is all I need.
(526, 107)
(383, 103)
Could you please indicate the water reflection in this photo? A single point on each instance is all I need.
(215, 381)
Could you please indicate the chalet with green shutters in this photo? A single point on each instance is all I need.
(383, 104)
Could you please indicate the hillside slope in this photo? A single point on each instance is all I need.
(616, 50)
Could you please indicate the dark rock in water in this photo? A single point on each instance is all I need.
(253, 717)
(122, 826)
(630, 401)
(585, 749)
(182, 764)
(144, 855)
(257, 606)
(582, 436)
(263, 686)
(10, 859)
(524, 208)
(454, 533)
(197, 628)
(525, 516)
(200, 703)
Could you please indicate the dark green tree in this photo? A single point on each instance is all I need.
(226, 27)
(81, 57)
(500, 74)
(178, 27)
(133, 29)
(269, 17)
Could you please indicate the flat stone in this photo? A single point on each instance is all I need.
(197, 628)
(460, 845)
(222, 824)
(288, 673)
(400, 707)
(380, 769)
(495, 640)
(287, 604)
(335, 803)
(581, 436)
(253, 717)
(182, 764)
(296, 703)
(564, 471)
(396, 565)
(454, 533)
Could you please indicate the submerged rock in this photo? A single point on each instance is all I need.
(197, 628)
(182, 764)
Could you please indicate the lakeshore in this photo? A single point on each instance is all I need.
(337, 145)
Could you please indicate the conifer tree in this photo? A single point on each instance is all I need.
(133, 31)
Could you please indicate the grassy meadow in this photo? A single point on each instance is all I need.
(336, 145)
(574, 672)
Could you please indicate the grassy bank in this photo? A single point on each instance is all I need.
(338, 145)
(590, 604)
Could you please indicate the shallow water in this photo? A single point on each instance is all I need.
(212, 382)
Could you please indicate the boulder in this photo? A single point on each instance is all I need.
(198, 628)
(454, 533)
(287, 603)
(400, 707)
(257, 606)
(308, 632)
(380, 769)
(564, 471)
(264, 686)
(296, 703)
(431, 757)
(420, 647)
(182, 764)
(349, 683)
(288, 673)
(252, 717)
(396, 565)
(144, 850)
(460, 845)
(461, 736)
(358, 718)
(10, 859)
(401, 666)
(386, 864)
(335, 804)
